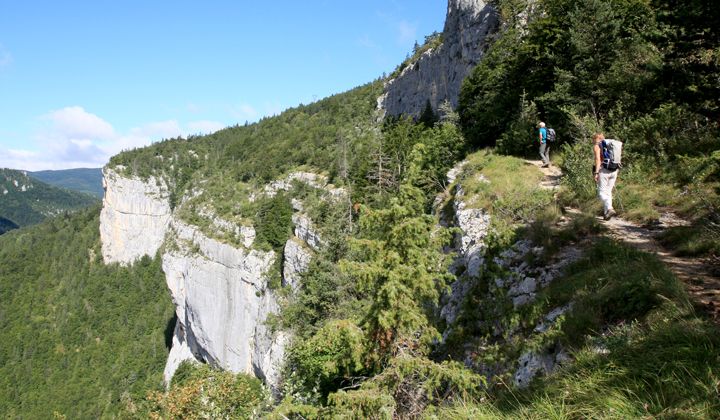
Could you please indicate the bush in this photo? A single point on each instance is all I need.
(202, 392)
(330, 358)
(407, 387)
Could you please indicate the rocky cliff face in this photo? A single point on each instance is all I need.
(220, 291)
(222, 302)
(135, 216)
(437, 75)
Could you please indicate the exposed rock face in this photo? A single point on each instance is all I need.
(305, 231)
(134, 217)
(532, 364)
(296, 261)
(219, 291)
(524, 280)
(221, 303)
(469, 246)
(520, 284)
(438, 74)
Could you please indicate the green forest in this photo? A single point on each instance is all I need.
(79, 338)
(84, 340)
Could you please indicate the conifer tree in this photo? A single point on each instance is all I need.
(397, 260)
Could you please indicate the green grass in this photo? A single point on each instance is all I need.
(692, 241)
(507, 188)
(640, 350)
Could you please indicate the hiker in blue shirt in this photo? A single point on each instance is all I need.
(544, 146)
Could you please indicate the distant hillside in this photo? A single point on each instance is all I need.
(26, 201)
(85, 180)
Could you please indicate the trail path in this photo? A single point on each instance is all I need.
(700, 278)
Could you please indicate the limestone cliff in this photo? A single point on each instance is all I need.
(438, 73)
(135, 216)
(222, 303)
(219, 290)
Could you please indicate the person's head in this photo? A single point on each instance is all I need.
(598, 137)
(541, 124)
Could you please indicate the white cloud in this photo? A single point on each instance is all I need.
(75, 123)
(72, 138)
(244, 112)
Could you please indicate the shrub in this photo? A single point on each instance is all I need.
(330, 358)
(202, 392)
(521, 137)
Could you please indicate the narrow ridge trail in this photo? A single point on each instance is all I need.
(699, 277)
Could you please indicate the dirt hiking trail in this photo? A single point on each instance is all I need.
(699, 277)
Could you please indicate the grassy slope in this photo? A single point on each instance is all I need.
(308, 135)
(77, 337)
(640, 349)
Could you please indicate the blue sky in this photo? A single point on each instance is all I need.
(83, 80)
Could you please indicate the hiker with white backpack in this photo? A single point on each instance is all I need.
(608, 160)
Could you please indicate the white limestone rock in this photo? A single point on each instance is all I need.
(296, 260)
(532, 364)
(474, 224)
(285, 184)
(135, 217)
(221, 302)
(470, 247)
(549, 319)
(437, 75)
(305, 231)
(179, 352)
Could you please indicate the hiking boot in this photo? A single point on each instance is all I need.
(609, 214)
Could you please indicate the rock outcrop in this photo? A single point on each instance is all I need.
(296, 260)
(437, 75)
(135, 216)
(470, 246)
(220, 291)
(222, 302)
(502, 298)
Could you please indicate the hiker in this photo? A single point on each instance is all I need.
(544, 146)
(604, 178)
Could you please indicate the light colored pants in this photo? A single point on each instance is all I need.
(605, 185)
(545, 153)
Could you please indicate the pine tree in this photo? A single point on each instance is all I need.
(397, 261)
